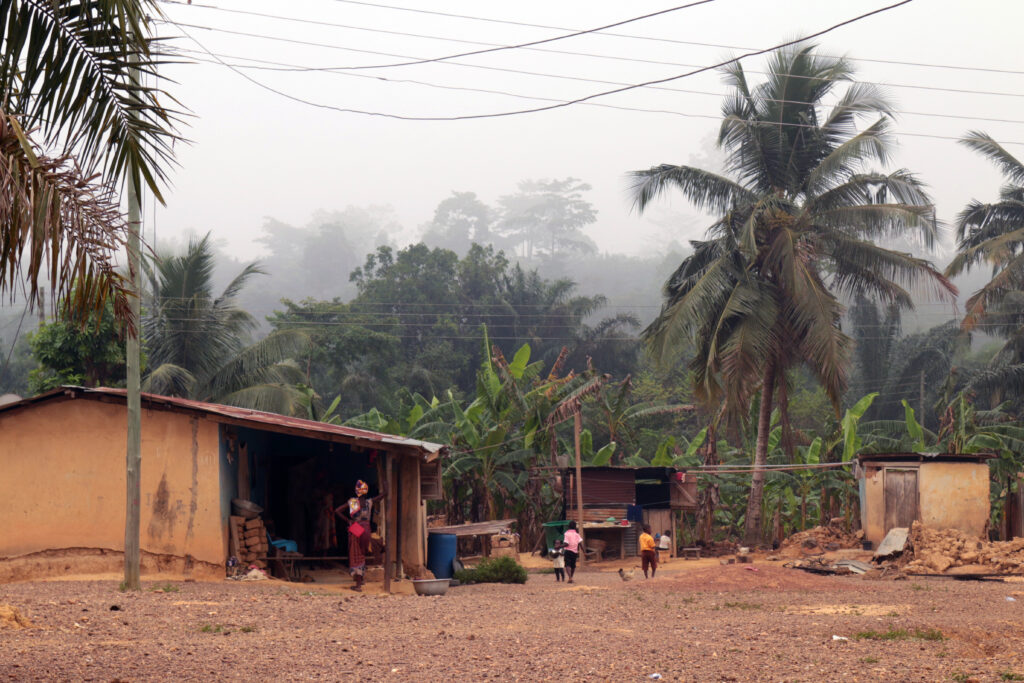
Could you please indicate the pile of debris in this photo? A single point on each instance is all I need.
(831, 537)
(819, 565)
(949, 551)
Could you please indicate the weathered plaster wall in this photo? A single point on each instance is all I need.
(954, 495)
(63, 482)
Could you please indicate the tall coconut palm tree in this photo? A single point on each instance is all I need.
(197, 344)
(74, 126)
(992, 234)
(798, 215)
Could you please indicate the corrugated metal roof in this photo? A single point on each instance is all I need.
(255, 418)
(925, 457)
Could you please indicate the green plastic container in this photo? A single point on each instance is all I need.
(554, 531)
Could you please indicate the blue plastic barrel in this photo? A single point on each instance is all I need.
(440, 554)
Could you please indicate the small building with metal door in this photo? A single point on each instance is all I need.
(942, 490)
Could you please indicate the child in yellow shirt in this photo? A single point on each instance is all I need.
(648, 553)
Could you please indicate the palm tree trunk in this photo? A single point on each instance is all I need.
(709, 496)
(752, 531)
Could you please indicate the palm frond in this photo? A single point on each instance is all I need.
(704, 189)
(847, 157)
(67, 64)
(58, 224)
(169, 380)
(281, 398)
(984, 144)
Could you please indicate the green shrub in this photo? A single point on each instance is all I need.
(496, 570)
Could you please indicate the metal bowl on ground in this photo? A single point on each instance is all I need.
(430, 586)
(245, 508)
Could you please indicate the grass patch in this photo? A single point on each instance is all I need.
(496, 570)
(891, 634)
(211, 628)
(690, 600)
(545, 570)
(928, 634)
(164, 588)
(1010, 676)
(247, 629)
(917, 587)
(743, 605)
(869, 660)
(960, 677)
(901, 634)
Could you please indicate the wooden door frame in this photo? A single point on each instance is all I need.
(917, 489)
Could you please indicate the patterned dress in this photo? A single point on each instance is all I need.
(359, 541)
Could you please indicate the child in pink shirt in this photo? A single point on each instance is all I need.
(572, 541)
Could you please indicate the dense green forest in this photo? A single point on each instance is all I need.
(787, 335)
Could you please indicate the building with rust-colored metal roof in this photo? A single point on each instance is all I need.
(62, 499)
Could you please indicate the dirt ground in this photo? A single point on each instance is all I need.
(697, 621)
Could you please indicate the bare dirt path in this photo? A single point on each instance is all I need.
(707, 623)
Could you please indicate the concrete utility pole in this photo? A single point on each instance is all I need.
(133, 361)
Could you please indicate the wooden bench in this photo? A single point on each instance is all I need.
(692, 553)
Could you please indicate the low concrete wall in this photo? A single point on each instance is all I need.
(63, 484)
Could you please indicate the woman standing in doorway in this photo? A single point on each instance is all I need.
(360, 509)
(572, 542)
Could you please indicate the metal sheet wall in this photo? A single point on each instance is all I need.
(609, 487)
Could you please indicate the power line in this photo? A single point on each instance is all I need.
(558, 28)
(330, 46)
(559, 105)
(331, 70)
(219, 60)
(499, 48)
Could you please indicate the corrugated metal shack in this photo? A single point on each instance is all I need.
(641, 495)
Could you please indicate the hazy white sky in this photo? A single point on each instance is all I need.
(255, 153)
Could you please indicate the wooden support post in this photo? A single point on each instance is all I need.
(577, 424)
(390, 517)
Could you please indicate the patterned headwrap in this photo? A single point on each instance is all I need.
(362, 488)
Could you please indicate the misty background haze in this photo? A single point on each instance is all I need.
(310, 192)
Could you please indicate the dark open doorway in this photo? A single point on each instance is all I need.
(299, 481)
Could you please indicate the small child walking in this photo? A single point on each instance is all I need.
(664, 546)
(558, 559)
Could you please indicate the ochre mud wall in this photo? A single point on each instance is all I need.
(62, 485)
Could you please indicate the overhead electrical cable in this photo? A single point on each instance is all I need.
(286, 67)
(219, 60)
(308, 43)
(549, 107)
(500, 48)
(675, 41)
